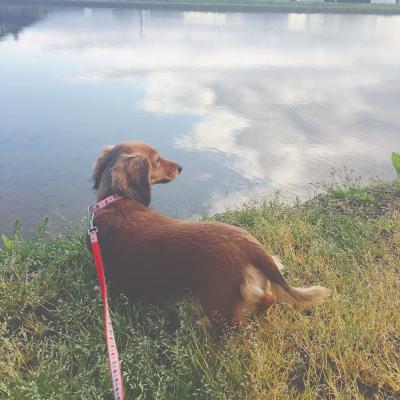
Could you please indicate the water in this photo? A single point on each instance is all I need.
(247, 103)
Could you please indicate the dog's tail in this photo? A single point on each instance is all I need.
(271, 268)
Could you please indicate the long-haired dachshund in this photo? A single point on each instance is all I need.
(149, 255)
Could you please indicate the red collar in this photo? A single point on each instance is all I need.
(104, 203)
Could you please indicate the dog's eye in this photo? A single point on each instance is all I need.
(157, 161)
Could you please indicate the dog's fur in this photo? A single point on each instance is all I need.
(151, 255)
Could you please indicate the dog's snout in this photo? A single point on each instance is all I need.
(179, 168)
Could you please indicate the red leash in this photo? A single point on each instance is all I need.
(111, 346)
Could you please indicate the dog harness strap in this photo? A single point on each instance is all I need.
(111, 346)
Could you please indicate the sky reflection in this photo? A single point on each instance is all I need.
(248, 103)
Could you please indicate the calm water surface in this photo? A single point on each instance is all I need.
(247, 103)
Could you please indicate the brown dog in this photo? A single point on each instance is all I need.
(150, 255)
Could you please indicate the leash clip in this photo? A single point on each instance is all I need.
(92, 228)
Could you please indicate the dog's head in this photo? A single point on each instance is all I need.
(130, 168)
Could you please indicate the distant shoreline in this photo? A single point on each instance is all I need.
(223, 6)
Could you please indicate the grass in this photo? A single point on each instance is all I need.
(232, 5)
(347, 238)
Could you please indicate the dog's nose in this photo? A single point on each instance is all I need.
(179, 169)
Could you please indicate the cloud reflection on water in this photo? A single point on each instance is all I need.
(285, 104)
(283, 97)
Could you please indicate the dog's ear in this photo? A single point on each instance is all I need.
(101, 165)
(130, 177)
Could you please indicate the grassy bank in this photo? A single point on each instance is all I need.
(347, 238)
(228, 5)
